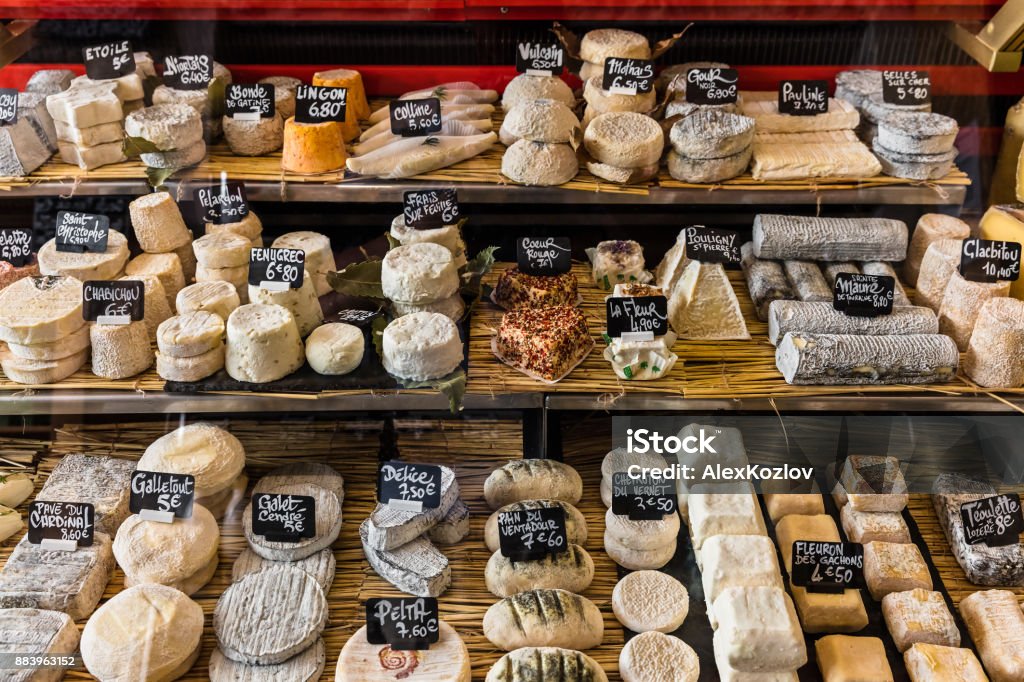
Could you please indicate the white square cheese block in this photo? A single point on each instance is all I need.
(758, 630)
(92, 136)
(88, 158)
(127, 88)
(86, 105)
(724, 514)
(737, 561)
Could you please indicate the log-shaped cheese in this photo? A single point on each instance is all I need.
(807, 280)
(883, 269)
(995, 353)
(312, 147)
(847, 359)
(822, 318)
(766, 281)
(829, 239)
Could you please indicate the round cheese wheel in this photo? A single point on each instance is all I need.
(249, 227)
(254, 137)
(191, 334)
(650, 600)
(604, 101)
(217, 297)
(238, 276)
(120, 351)
(626, 140)
(155, 305)
(307, 666)
(167, 553)
(185, 157)
(525, 88)
(335, 348)
(166, 126)
(302, 302)
(599, 44)
(538, 163)
(157, 222)
(708, 170)
(151, 628)
(448, 236)
(541, 120)
(87, 265)
(40, 309)
(321, 566)
(712, 134)
(38, 372)
(447, 660)
(657, 656)
(72, 344)
(263, 343)
(419, 273)
(191, 368)
(623, 176)
(284, 94)
(422, 346)
(222, 250)
(327, 525)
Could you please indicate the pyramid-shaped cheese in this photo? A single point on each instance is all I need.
(703, 305)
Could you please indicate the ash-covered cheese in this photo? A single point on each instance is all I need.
(704, 171)
(120, 351)
(545, 343)
(32, 107)
(390, 528)
(305, 666)
(284, 94)
(829, 239)
(914, 166)
(263, 343)
(38, 632)
(50, 81)
(516, 289)
(166, 126)
(188, 155)
(822, 318)
(526, 88)
(711, 134)
(419, 273)
(846, 359)
(302, 303)
(40, 309)
(217, 297)
(101, 481)
(915, 132)
(422, 346)
(539, 163)
(540, 120)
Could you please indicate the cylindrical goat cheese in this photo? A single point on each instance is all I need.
(422, 346)
(263, 343)
(419, 273)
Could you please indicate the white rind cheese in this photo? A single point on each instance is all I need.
(653, 655)
(189, 155)
(166, 126)
(120, 351)
(85, 106)
(571, 570)
(167, 553)
(89, 137)
(995, 354)
(601, 101)
(194, 368)
(302, 303)
(88, 158)
(539, 163)
(191, 334)
(416, 568)
(166, 267)
(319, 255)
(327, 525)
(546, 663)
(217, 297)
(249, 227)
(941, 261)
(453, 307)
(930, 228)
(335, 349)
(646, 601)
(40, 372)
(703, 304)
(625, 140)
(155, 305)
(128, 87)
(421, 347)
(448, 236)
(211, 454)
(540, 120)
(758, 630)
(87, 265)
(822, 318)
(263, 343)
(526, 88)
(961, 304)
(254, 137)
(37, 310)
(158, 224)
(830, 239)
(447, 660)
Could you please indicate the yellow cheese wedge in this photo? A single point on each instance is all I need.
(358, 108)
(1005, 223)
(312, 147)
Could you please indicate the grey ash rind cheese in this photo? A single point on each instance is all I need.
(166, 126)
(857, 85)
(305, 666)
(32, 106)
(100, 481)
(848, 359)
(38, 632)
(544, 664)
(390, 528)
(70, 582)
(914, 166)
(806, 278)
(875, 109)
(917, 132)
(312, 473)
(270, 616)
(712, 134)
(883, 269)
(820, 317)
(187, 156)
(984, 565)
(417, 568)
(454, 527)
(321, 566)
(328, 525)
(833, 270)
(702, 171)
(766, 281)
(829, 239)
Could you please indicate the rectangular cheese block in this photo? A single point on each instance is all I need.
(919, 616)
(128, 87)
(86, 106)
(70, 582)
(996, 624)
(727, 673)
(842, 658)
(729, 451)
(874, 483)
(90, 137)
(984, 565)
(786, 237)
(781, 505)
(100, 481)
(818, 136)
(814, 527)
(21, 149)
(88, 158)
(861, 526)
(799, 159)
(37, 632)
(758, 630)
(32, 106)
(894, 567)
(763, 107)
(724, 514)
(1005, 223)
(934, 663)
(738, 561)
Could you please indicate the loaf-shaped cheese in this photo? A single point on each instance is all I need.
(571, 570)
(549, 664)
(996, 624)
(830, 239)
(575, 522)
(766, 281)
(823, 318)
(933, 662)
(526, 479)
(544, 618)
(919, 616)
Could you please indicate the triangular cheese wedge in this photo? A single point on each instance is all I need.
(671, 266)
(703, 305)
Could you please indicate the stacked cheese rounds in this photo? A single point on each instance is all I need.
(542, 136)
(160, 228)
(217, 297)
(89, 120)
(208, 101)
(174, 130)
(619, 461)
(146, 632)
(191, 346)
(41, 322)
(916, 145)
(108, 264)
(526, 88)
(596, 46)
(263, 343)
(624, 147)
(422, 346)
(600, 101)
(319, 255)
(209, 453)
(422, 277)
(710, 145)
(301, 302)
(223, 257)
(284, 93)
(448, 236)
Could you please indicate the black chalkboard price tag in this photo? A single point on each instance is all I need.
(532, 534)
(161, 496)
(995, 521)
(222, 203)
(429, 209)
(320, 104)
(544, 256)
(8, 106)
(113, 302)
(906, 87)
(249, 101)
(415, 117)
(61, 525)
(540, 59)
(637, 317)
(827, 566)
(15, 245)
(410, 487)
(188, 71)
(109, 60)
(644, 498)
(712, 245)
(276, 269)
(712, 86)
(357, 318)
(803, 98)
(403, 623)
(628, 76)
(863, 295)
(283, 517)
(79, 232)
(986, 260)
